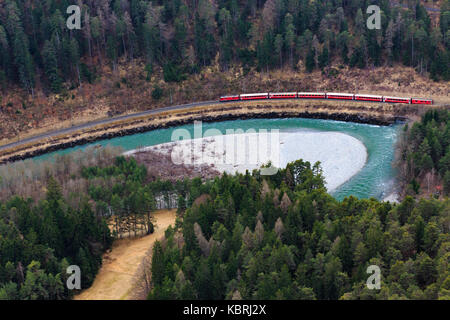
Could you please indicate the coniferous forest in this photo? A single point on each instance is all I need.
(284, 237)
(75, 208)
(425, 154)
(243, 236)
(184, 36)
(38, 242)
(236, 237)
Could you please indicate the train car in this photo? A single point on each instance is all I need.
(397, 100)
(282, 95)
(311, 95)
(340, 96)
(229, 98)
(421, 101)
(367, 97)
(323, 95)
(254, 96)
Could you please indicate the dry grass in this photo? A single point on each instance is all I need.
(160, 166)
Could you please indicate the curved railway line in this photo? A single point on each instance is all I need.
(104, 121)
(131, 117)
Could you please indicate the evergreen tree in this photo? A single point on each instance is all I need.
(51, 66)
(310, 61)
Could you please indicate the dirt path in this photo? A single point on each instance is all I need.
(116, 277)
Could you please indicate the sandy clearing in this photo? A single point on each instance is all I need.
(116, 277)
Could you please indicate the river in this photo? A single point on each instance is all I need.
(375, 179)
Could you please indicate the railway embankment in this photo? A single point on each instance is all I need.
(351, 111)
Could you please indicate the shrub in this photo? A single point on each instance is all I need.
(157, 92)
(173, 73)
(149, 70)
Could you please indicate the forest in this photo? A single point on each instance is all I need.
(245, 236)
(39, 241)
(236, 237)
(68, 212)
(183, 36)
(284, 237)
(425, 154)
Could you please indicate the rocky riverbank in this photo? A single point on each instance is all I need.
(370, 113)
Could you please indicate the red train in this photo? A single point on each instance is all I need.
(324, 95)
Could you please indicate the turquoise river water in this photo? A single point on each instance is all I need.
(375, 179)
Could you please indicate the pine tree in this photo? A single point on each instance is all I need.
(324, 58)
(279, 48)
(158, 265)
(4, 52)
(389, 36)
(112, 51)
(51, 66)
(310, 61)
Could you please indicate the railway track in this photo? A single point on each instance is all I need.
(124, 117)
(103, 121)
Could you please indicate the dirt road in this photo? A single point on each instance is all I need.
(116, 277)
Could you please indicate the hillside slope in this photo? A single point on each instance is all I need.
(133, 55)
